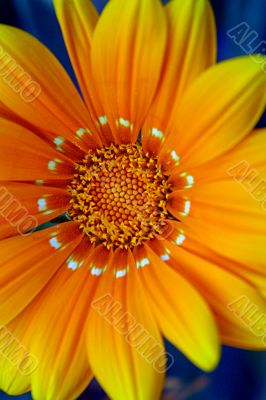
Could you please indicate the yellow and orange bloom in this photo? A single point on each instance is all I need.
(140, 165)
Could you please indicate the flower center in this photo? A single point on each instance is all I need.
(119, 196)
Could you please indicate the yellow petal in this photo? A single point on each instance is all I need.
(191, 48)
(235, 303)
(183, 316)
(125, 348)
(16, 361)
(248, 156)
(218, 110)
(127, 62)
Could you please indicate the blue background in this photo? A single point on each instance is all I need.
(241, 374)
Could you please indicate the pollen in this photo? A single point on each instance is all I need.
(119, 196)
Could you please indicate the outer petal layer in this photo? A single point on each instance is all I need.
(28, 264)
(63, 371)
(77, 20)
(191, 49)
(228, 203)
(222, 289)
(123, 339)
(16, 361)
(218, 110)
(23, 207)
(36, 88)
(24, 156)
(127, 62)
(183, 316)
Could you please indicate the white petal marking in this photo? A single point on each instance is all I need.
(143, 262)
(124, 122)
(180, 239)
(159, 134)
(190, 180)
(55, 243)
(174, 156)
(103, 120)
(42, 204)
(80, 132)
(186, 208)
(73, 264)
(121, 272)
(165, 257)
(58, 141)
(52, 165)
(96, 271)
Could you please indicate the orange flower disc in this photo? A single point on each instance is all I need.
(119, 196)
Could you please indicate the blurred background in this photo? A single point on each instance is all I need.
(241, 374)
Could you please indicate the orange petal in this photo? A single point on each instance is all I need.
(251, 273)
(222, 290)
(23, 207)
(179, 204)
(229, 221)
(63, 371)
(241, 161)
(19, 361)
(28, 263)
(74, 152)
(183, 316)
(228, 203)
(35, 87)
(59, 143)
(191, 49)
(127, 62)
(217, 111)
(125, 348)
(179, 234)
(77, 20)
(24, 156)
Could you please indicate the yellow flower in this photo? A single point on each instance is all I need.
(167, 234)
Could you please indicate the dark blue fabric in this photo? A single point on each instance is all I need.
(241, 374)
